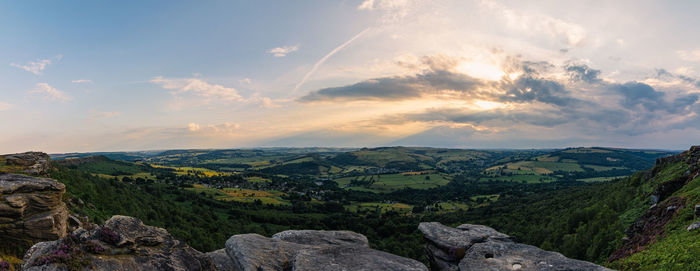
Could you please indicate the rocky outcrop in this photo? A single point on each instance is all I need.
(34, 163)
(125, 243)
(31, 210)
(122, 243)
(477, 247)
(311, 250)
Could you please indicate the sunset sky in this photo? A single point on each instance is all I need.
(143, 75)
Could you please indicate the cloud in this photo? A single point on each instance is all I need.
(104, 115)
(50, 92)
(392, 10)
(198, 87)
(528, 88)
(5, 106)
(440, 77)
(38, 66)
(569, 33)
(581, 72)
(211, 129)
(193, 127)
(636, 94)
(283, 51)
(82, 81)
(689, 55)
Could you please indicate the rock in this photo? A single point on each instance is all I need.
(499, 255)
(35, 163)
(694, 226)
(477, 247)
(646, 229)
(697, 209)
(308, 237)
(654, 199)
(316, 250)
(31, 210)
(123, 243)
(446, 246)
(221, 260)
(73, 223)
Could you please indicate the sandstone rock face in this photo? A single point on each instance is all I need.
(308, 237)
(123, 243)
(311, 250)
(31, 209)
(477, 247)
(35, 163)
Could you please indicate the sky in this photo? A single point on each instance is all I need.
(84, 76)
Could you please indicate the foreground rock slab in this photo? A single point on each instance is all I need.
(312, 250)
(477, 247)
(123, 243)
(31, 210)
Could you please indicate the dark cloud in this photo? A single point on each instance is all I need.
(635, 94)
(390, 88)
(546, 118)
(582, 72)
(527, 88)
(639, 94)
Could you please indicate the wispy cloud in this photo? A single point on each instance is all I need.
(198, 87)
(326, 57)
(82, 81)
(689, 55)
(283, 51)
(5, 106)
(570, 33)
(104, 115)
(38, 66)
(223, 128)
(50, 93)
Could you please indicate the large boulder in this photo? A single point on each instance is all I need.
(122, 243)
(477, 247)
(312, 250)
(31, 210)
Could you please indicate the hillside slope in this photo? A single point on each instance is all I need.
(662, 237)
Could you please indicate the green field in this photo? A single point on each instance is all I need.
(392, 182)
(379, 206)
(531, 178)
(241, 195)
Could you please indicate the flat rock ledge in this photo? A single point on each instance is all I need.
(477, 247)
(312, 250)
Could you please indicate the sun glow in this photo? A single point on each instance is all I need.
(481, 70)
(488, 105)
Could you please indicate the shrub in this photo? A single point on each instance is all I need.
(108, 236)
(94, 247)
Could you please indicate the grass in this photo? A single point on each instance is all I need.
(256, 179)
(392, 182)
(195, 171)
(530, 178)
(242, 195)
(382, 207)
